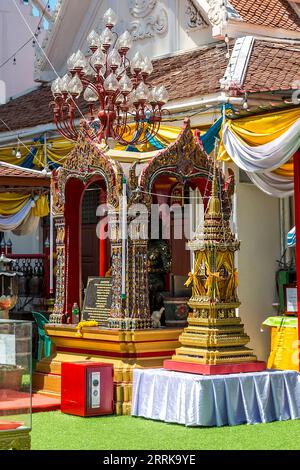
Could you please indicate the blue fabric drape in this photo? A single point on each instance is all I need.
(208, 139)
(291, 237)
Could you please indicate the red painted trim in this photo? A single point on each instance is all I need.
(297, 224)
(214, 369)
(102, 249)
(90, 352)
(73, 194)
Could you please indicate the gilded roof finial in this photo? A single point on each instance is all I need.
(214, 205)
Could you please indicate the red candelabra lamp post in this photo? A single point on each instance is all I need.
(115, 88)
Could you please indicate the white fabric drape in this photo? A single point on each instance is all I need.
(272, 184)
(260, 161)
(11, 222)
(21, 223)
(29, 225)
(266, 157)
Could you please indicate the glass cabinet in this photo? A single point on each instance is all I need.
(15, 383)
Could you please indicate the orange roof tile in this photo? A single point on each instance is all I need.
(272, 66)
(273, 13)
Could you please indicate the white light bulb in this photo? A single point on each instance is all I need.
(137, 61)
(55, 87)
(147, 66)
(88, 71)
(125, 84)
(106, 37)
(114, 59)
(110, 18)
(142, 92)
(132, 99)
(80, 60)
(162, 94)
(64, 83)
(90, 95)
(71, 61)
(98, 59)
(75, 86)
(154, 94)
(111, 83)
(125, 41)
(93, 39)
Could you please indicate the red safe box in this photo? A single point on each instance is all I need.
(87, 388)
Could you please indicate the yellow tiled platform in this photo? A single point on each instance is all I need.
(126, 350)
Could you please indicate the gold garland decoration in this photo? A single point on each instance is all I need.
(83, 324)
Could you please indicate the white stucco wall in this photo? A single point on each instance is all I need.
(162, 26)
(259, 232)
(13, 34)
(26, 244)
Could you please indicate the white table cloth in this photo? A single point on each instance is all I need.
(198, 400)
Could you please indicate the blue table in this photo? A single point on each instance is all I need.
(197, 400)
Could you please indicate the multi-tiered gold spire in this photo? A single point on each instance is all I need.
(215, 335)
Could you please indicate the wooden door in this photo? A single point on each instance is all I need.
(89, 252)
(89, 240)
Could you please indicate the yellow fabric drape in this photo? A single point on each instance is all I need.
(193, 278)
(232, 282)
(11, 203)
(6, 155)
(41, 208)
(284, 349)
(166, 135)
(57, 153)
(198, 288)
(216, 275)
(262, 129)
(286, 170)
(60, 148)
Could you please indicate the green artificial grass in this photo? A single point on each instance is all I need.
(58, 431)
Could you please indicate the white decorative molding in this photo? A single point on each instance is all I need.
(40, 59)
(149, 20)
(194, 19)
(220, 11)
(217, 13)
(141, 8)
(238, 63)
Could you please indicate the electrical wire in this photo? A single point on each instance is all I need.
(18, 139)
(30, 39)
(46, 56)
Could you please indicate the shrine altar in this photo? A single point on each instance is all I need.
(217, 400)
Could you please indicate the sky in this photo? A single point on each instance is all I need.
(52, 4)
